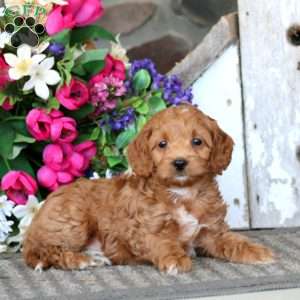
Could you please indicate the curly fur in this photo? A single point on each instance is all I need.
(156, 215)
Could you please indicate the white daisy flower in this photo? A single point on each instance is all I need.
(6, 206)
(3, 248)
(4, 39)
(25, 214)
(5, 227)
(21, 64)
(41, 76)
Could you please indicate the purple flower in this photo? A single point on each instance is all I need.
(56, 49)
(171, 86)
(104, 94)
(118, 122)
(146, 64)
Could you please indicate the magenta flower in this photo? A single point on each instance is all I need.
(75, 13)
(63, 130)
(4, 77)
(6, 105)
(38, 124)
(18, 185)
(88, 150)
(74, 95)
(54, 114)
(57, 156)
(104, 93)
(51, 179)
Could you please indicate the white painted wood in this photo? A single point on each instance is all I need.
(218, 94)
(271, 88)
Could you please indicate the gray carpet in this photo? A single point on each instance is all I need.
(209, 277)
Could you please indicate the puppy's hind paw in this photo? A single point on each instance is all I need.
(99, 259)
(39, 267)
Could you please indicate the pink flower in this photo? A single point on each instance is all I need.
(74, 95)
(51, 179)
(38, 124)
(105, 93)
(63, 130)
(57, 156)
(78, 164)
(6, 105)
(113, 67)
(54, 114)
(18, 185)
(75, 13)
(4, 77)
(88, 149)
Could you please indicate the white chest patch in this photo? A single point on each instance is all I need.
(179, 193)
(190, 226)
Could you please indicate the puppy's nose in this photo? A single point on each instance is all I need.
(180, 164)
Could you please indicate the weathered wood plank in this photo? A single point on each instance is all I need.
(221, 36)
(218, 93)
(271, 88)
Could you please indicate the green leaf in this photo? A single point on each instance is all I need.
(108, 152)
(7, 137)
(20, 138)
(82, 112)
(143, 109)
(125, 137)
(21, 163)
(156, 104)
(62, 37)
(91, 55)
(53, 103)
(91, 32)
(141, 121)
(3, 167)
(16, 150)
(95, 134)
(3, 97)
(114, 160)
(19, 126)
(141, 80)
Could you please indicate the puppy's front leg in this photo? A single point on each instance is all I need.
(234, 247)
(168, 255)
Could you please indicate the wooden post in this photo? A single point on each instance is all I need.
(271, 89)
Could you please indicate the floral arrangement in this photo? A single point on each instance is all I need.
(67, 108)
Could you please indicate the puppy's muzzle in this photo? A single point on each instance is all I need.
(179, 164)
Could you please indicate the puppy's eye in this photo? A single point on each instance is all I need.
(163, 144)
(196, 142)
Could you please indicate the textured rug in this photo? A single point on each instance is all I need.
(209, 277)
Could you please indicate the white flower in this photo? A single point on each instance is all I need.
(47, 2)
(118, 51)
(4, 39)
(41, 76)
(25, 214)
(94, 176)
(5, 227)
(21, 64)
(3, 248)
(41, 47)
(2, 11)
(6, 206)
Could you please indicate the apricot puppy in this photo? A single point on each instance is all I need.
(168, 207)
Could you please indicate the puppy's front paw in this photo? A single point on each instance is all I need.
(251, 253)
(174, 265)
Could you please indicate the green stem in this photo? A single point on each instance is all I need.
(6, 164)
(14, 118)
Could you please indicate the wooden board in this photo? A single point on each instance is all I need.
(271, 88)
(218, 94)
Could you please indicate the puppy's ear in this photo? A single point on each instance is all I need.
(138, 153)
(222, 149)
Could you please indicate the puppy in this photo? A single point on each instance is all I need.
(168, 207)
